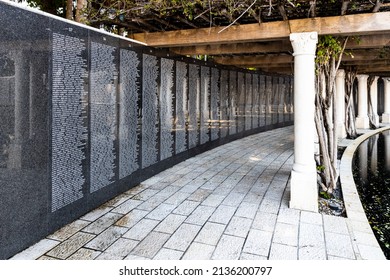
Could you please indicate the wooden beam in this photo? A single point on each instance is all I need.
(357, 24)
(240, 48)
(369, 41)
(362, 42)
(255, 60)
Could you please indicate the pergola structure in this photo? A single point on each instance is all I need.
(281, 37)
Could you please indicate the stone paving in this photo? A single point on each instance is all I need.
(227, 203)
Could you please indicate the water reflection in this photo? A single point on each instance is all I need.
(371, 168)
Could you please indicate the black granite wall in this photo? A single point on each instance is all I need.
(85, 116)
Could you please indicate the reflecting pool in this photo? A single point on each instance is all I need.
(371, 171)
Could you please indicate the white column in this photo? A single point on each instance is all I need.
(340, 104)
(374, 100)
(304, 192)
(362, 120)
(386, 113)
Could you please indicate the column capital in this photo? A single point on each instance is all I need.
(340, 73)
(362, 77)
(386, 79)
(304, 43)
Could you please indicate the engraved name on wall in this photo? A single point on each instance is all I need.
(205, 107)
(128, 113)
(150, 119)
(103, 83)
(181, 106)
(214, 104)
(69, 132)
(166, 109)
(193, 105)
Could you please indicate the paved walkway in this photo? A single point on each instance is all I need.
(228, 203)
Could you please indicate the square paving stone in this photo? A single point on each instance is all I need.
(269, 206)
(122, 247)
(335, 224)
(210, 233)
(127, 206)
(251, 257)
(283, 252)
(311, 218)
(200, 215)
(289, 216)
(286, 234)
(183, 237)
(149, 247)
(106, 238)
(171, 223)
(96, 213)
(168, 254)
(102, 223)
(199, 195)
(161, 212)
(145, 195)
(85, 254)
(247, 210)
(132, 218)
(258, 242)
(186, 208)
(151, 203)
(238, 226)
(311, 236)
(177, 199)
(223, 214)
(339, 245)
(213, 200)
(233, 199)
(228, 248)
(199, 251)
(264, 221)
(141, 229)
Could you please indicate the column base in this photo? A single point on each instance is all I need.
(386, 118)
(362, 122)
(376, 117)
(341, 131)
(304, 191)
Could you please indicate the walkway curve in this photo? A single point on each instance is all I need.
(366, 244)
(225, 204)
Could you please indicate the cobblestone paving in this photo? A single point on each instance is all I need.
(228, 203)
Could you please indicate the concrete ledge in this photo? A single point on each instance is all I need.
(366, 246)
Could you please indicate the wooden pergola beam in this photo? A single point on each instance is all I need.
(363, 42)
(357, 24)
(256, 60)
(238, 48)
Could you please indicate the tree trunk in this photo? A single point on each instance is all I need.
(350, 117)
(371, 113)
(69, 9)
(81, 5)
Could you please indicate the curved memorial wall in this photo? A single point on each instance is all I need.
(85, 115)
